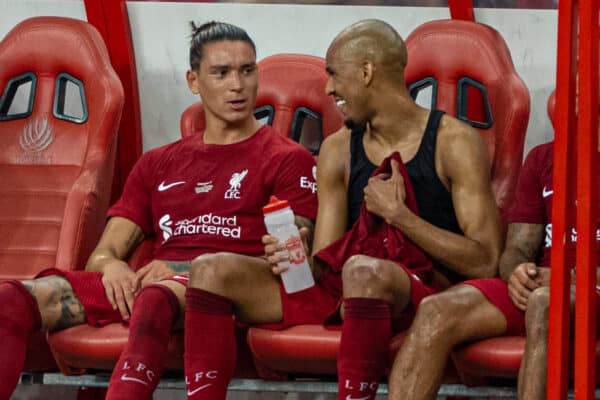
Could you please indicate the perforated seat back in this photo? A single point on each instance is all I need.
(59, 113)
(467, 69)
(291, 98)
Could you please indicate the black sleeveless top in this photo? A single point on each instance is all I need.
(433, 200)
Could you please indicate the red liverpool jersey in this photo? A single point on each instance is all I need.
(201, 198)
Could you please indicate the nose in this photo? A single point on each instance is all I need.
(329, 87)
(236, 81)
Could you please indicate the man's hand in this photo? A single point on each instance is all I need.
(385, 193)
(524, 279)
(120, 286)
(153, 272)
(276, 253)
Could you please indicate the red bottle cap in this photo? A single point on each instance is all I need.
(274, 205)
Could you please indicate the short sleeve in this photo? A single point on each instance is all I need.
(295, 181)
(529, 206)
(135, 201)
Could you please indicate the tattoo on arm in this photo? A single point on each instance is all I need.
(523, 243)
(135, 237)
(527, 239)
(179, 266)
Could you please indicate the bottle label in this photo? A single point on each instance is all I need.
(295, 250)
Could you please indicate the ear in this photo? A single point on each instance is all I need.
(368, 70)
(192, 81)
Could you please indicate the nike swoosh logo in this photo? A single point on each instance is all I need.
(349, 397)
(124, 377)
(546, 192)
(199, 388)
(162, 187)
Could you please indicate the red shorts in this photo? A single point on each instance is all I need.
(321, 303)
(496, 291)
(89, 290)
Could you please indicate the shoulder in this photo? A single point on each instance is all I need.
(453, 133)
(158, 153)
(541, 152)
(337, 142)
(460, 145)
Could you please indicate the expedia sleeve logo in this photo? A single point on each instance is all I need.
(306, 183)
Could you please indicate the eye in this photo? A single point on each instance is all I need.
(220, 72)
(249, 69)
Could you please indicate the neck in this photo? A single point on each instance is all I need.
(397, 118)
(219, 132)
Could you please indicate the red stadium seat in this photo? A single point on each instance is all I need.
(291, 98)
(468, 67)
(59, 114)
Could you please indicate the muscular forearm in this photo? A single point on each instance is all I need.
(99, 258)
(459, 253)
(120, 237)
(510, 259)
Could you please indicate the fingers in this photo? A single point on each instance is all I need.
(278, 257)
(279, 269)
(382, 176)
(395, 168)
(531, 269)
(520, 287)
(304, 232)
(121, 302)
(129, 300)
(518, 301)
(268, 239)
(524, 274)
(110, 293)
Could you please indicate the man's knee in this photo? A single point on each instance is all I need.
(437, 315)
(536, 315)
(364, 271)
(443, 315)
(211, 269)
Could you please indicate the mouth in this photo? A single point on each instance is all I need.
(237, 104)
(340, 102)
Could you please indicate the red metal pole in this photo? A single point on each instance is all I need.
(461, 9)
(558, 341)
(587, 200)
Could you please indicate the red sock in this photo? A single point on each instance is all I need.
(363, 348)
(19, 317)
(210, 352)
(140, 366)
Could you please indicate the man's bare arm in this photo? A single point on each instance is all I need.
(118, 240)
(120, 237)
(522, 245)
(332, 170)
(463, 160)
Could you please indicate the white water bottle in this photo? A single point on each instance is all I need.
(279, 220)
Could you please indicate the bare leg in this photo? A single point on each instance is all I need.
(443, 320)
(59, 306)
(373, 278)
(247, 281)
(532, 374)
(22, 305)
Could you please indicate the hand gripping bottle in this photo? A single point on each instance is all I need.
(279, 220)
